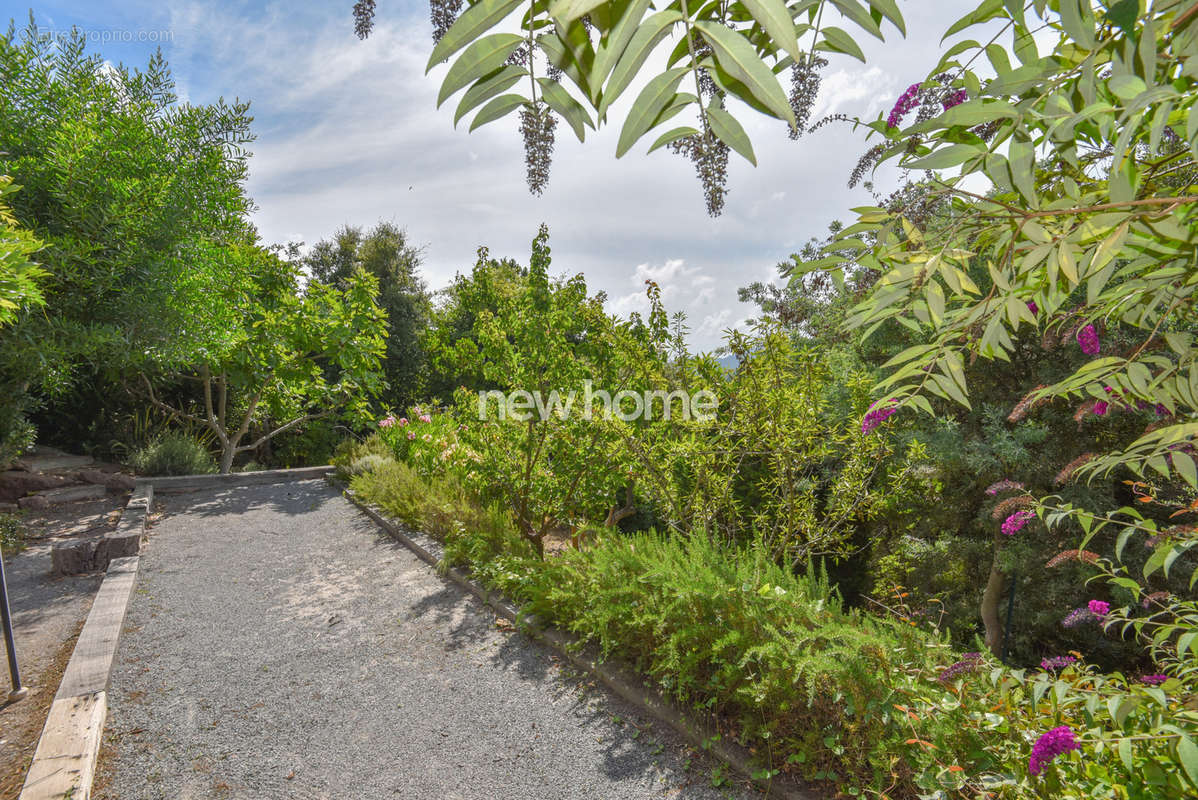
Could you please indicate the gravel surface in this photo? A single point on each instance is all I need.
(280, 646)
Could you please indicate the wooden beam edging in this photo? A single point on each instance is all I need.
(192, 483)
(625, 682)
(64, 764)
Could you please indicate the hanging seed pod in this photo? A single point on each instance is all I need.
(536, 126)
(710, 157)
(804, 88)
(363, 18)
(442, 13)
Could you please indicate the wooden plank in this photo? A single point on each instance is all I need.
(87, 672)
(71, 494)
(65, 761)
(191, 483)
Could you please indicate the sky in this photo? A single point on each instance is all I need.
(348, 132)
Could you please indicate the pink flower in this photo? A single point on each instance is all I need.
(1057, 662)
(906, 102)
(1032, 307)
(1055, 742)
(1153, 680)
(1099, 608)
(1087, 340)
(403, 421)
(1014, 523)
(876, 416)
(425, 418)
(411, 435)
(387, 422)
(955, 99)
(1101, 407)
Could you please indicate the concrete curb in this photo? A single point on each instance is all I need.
(64, 763)
(192, 483)
(623, 681)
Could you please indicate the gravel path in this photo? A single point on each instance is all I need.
(280, 646)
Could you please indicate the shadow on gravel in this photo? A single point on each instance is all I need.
(292, 499)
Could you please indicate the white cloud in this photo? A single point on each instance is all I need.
(348, 131)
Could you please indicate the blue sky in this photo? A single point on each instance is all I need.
(348, 131)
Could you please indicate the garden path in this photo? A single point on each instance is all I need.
(280, 646)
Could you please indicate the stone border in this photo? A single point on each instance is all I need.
(64, 763)
(623, 681)
(192, 483)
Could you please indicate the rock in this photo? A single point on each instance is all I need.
(7, 508)
(110, 480)
(53, 462)
(16, 483)
(34, 502)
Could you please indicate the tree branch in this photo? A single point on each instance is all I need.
(171, 410)
(283, 429)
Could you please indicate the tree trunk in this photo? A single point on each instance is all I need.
(990, 602)
(226, 459)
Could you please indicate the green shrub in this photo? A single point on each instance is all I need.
(12, 534)
(172, 454)
(352, 449)
(774, 655)
(473, 535)
(16, 432)
(367, 463)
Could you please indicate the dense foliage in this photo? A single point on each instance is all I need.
(153, 288)
(385, 253)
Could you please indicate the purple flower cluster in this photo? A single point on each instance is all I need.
(954, 99)
(1153, 680)
(970, 662)
(907, 101)
(1057, 662)
(1004, 486)
(1032, 307)
(1087, 340)
(1055, 742)
(877, 415)
(1078, 616)
(1099, 608)
(1101, 407)
(1014, 523)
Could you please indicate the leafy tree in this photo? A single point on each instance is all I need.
(274, 357)
(542, 337)
(577, 57)
(19, 292)
(130, 191)
(19, 277)
(385, 253)
(455, 321)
